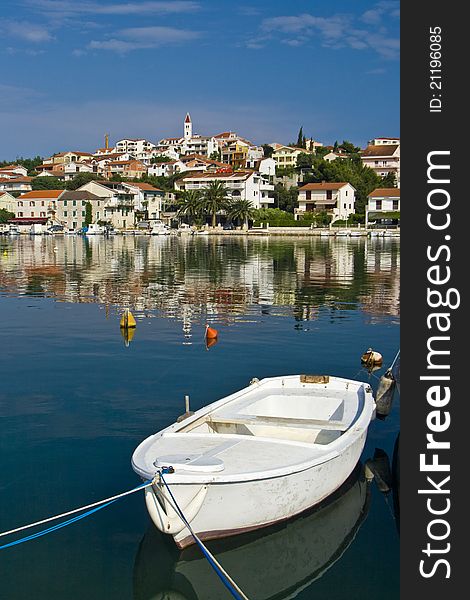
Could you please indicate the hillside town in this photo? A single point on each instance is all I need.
(221, 181)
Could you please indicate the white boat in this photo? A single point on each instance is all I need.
(376, 233)
(258, 457)
(184, 228)
(159, 228)
(357, 233)
(201, 232)
(326, 233)
(14, 230)
(94, 229)
(343, 233)
(37, 229)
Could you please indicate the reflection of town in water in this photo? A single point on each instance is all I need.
(220, 278)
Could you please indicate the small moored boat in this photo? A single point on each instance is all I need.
(260, 456)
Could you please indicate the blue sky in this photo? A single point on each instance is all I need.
(77, 69)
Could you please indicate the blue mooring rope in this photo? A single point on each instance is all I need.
(223, 577)
(228, 584)
(33, 536)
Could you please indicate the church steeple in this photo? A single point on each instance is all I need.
(188, 127)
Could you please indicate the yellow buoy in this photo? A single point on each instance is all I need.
(127, 320)
(127, 335)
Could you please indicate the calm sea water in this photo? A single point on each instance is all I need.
(76, 399)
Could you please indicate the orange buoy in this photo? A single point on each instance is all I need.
(211, 333)
(211, 342)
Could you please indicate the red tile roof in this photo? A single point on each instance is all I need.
(380, 150)
(385, 193)
(143, 186)
(16, 180)
(41, 194)
(323, 186)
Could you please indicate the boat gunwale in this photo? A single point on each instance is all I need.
(332, 450)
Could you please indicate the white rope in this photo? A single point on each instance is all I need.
(76, 510)
(395, 360)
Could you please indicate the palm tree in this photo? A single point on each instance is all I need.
(214, 199)
(241, 210)
(190, 205)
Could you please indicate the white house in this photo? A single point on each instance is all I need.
(331, 156)
(119, 203)
(381, 205)
(337, 199)
(7, 202)
(240, 185)
(147, 198)
(265, 166)
(383, 159)
(139, 148)
(384, 141)
(37, 204)
(286, 156)
(12, 171)
(18, 185)
(73, 168)
(71, 208)
(163, 169)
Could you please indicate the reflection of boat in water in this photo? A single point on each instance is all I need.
(278, 562)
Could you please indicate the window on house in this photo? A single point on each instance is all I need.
(74, 203)
(20, 214)
(65, 213)
(378, 204)
(32, 213)
(65, 202)
(83, 213)
(43, 214)
(395, 205)
(308, 195)
(329, 194)
(31, 203)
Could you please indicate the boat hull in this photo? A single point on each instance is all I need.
(216, 510)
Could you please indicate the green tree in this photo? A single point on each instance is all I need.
(389, 181)
(5, 215)
(304, 161)
(285, 199)
(81, 179)
(300, 138)
(28, 163)
(349, 147)
(159, 159)
(88, 214)
(190, 205)
(241, 210)
(216, 155)
(268, 150)
(47, 183)
(214, 199)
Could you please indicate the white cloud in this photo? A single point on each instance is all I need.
(337, 31)
(63, 8)
(138, 38)
(25, 31)
(375, 15)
